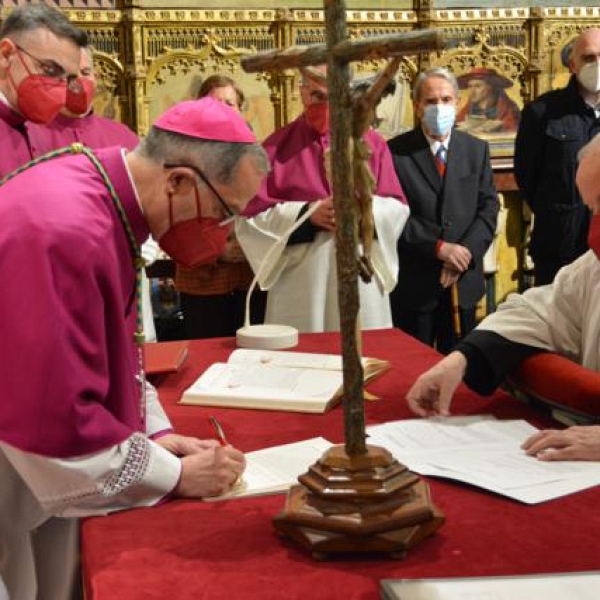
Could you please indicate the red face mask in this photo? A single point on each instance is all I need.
(594, 235)
(194, 242)
(79, 96)
(39, 98)
(317, 116)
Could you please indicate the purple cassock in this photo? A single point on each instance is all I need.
(21, 140)
(297, 168)
(68, 308)
(28, 140)
(92, 131)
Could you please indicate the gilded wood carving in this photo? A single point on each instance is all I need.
(148, 58)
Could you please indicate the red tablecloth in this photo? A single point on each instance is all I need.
(227, 550)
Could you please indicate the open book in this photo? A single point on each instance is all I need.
(276, 380)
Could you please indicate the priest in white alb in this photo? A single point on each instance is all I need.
(300, 272)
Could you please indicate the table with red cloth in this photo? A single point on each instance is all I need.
(229, 550)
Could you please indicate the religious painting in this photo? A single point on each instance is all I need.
(488, 109)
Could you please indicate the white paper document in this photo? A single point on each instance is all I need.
(276, 469)
(483, 452)
(554, 586)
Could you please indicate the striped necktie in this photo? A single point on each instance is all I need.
(441, 156)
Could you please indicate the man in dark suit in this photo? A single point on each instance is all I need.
(447, 177)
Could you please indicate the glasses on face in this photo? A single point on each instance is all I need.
(317, 96)
(50, 68)
(226, 209)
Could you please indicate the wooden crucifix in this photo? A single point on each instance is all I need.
(357, 498)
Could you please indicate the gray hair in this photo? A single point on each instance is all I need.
(441, 72)
(217, 160)
(30, 17)
(317, 73)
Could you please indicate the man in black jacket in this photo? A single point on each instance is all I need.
(447, 178)
(553, 129)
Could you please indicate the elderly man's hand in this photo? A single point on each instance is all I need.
(324, 216)
(431, 395)
(574, 443)
(448, 277)
(454, 256)
(210, 472)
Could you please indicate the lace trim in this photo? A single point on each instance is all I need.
(133, 470)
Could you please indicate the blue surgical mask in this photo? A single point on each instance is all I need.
(439, 118)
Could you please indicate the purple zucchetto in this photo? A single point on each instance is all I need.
(206, 119)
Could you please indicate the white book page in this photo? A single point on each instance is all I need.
(265, 382)
(305, 360)
(276, 469)
(579, 586)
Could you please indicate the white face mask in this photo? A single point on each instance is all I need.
(589, 76)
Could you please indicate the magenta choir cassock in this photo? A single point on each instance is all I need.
(28, 140)
(92, 130)
(70, 367)
(296, 153)
(21, 140)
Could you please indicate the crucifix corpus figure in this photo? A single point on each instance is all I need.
(357, 497)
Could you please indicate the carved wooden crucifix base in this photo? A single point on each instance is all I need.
(369, 504)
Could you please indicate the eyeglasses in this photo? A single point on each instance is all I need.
(317, 96)
(50, 68)
(228, 211)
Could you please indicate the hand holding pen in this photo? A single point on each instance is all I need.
(213, 472)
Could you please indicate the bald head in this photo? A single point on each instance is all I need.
(585, 49)
(588, 182)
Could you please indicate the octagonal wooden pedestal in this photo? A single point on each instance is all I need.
(366, 503)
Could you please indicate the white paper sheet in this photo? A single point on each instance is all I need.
(483, 452)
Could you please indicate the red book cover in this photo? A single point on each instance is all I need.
(164, 357)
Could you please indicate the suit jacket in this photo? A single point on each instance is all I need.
(462, 209)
